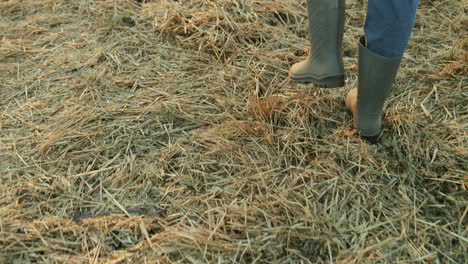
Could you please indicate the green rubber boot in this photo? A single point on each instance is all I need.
(375, 80)
(324, 65)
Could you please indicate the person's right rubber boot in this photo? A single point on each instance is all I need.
(376, 75)
(324, 65)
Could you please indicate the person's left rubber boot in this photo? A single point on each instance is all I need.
(376, 75)
(324, 65)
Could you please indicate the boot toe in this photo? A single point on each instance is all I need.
(298, 70)
(351, 100)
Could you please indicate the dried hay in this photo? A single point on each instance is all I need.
(166, 131)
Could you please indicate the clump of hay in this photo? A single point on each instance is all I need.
(167, 132)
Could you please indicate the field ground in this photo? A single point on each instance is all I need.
(168, 132)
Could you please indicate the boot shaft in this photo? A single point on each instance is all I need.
(376, 76)
(326, 28)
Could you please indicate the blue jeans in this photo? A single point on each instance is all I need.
(388, 26)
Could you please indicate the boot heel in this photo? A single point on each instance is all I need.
(329, 82)
(372, 139)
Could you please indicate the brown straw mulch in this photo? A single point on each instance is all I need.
(165, 131)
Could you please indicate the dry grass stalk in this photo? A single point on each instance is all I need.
(166, 131)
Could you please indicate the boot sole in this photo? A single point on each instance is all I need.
(328, 82)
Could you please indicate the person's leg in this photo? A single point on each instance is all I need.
(324, 65)
(388, 28)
